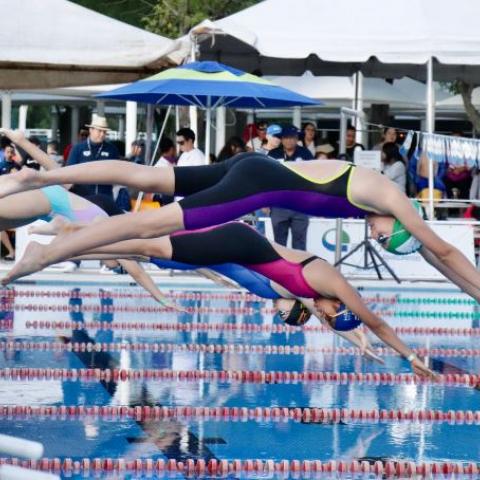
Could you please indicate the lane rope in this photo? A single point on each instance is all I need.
(238, 376)
(241, 348)
(249, 468)
(226, 414)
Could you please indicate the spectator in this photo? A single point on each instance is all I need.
(261, 136)
(324, 152)
(233, 146)
(6, 242)
(168, 153)
(393, 165)
(4, 142)
(137, 152)
(273, 139)
(418, 174)
(82, 136)
(94, 148)
(458, 178)
(28, 160)
(389, 136)
(351, 144)
(52, 152)
(309, 136)
(190, 155)
(285, 220)
(10, 161)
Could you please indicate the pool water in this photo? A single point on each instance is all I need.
(119, 330)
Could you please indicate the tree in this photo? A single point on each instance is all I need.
(173, 18)
(465, 89)
(128, 11)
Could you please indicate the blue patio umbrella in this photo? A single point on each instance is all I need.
(209, 85)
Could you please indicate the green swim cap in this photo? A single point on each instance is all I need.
(402, 242)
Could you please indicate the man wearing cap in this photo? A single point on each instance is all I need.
(284, 219)
(94, 148)
(273, 138)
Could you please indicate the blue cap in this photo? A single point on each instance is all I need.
(346, 320)
(290, 131)
(274, 130)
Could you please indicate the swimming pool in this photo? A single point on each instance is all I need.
(99, 375)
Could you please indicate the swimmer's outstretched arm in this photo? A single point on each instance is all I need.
(136, 271)
(140, 177)
(467, 287)
(18, 138)
(337, 286)
(356, 337)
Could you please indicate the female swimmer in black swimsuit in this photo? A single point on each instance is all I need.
(222, 192)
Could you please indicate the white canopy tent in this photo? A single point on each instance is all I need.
(403, 94)
(77, 47)
(424, 39)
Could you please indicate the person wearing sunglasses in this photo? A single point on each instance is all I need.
(299, 283)
(214, 194)
(190, 155)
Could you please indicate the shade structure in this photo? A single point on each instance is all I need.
(281, 37)
(209, 85)
(55, 43)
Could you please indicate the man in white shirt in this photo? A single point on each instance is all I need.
(190, 155)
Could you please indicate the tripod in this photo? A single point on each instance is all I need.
(369, 254)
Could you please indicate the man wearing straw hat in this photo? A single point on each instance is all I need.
(94, 148)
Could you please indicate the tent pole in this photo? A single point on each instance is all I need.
(220, 129)
(22, 117)
(148, 139)
(208, 122)
(131, 125)
(138, 203)
(74, 124)
(430, 129)
(6, 109)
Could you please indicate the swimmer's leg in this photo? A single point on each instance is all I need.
(53, 227)
(141, 177)
(147, 224)
(22, 208)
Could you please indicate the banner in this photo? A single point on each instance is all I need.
(321, 242)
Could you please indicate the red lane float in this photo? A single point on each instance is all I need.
(132, 309)
(246, 348)
(234, 414)
(241, 295)
(235, 376)
(243, 327)
(249, 468)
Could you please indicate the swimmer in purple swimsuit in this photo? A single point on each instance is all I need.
(249, 181)
(299, 282)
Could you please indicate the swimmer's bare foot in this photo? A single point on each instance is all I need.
(25, 179)
(31, 262)
(54, 227)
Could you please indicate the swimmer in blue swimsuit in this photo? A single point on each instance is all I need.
(222, 192)
(298, 281)
(56, 202)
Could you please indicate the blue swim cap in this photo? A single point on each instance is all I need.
(345, 321)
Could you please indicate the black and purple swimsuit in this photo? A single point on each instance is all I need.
(239, 244)
(225, 191)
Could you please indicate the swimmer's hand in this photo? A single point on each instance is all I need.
(420, 369)
(16, 136)
(365, 347)
(167, 303)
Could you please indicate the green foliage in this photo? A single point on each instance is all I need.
(128, 11)
(173, 18)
